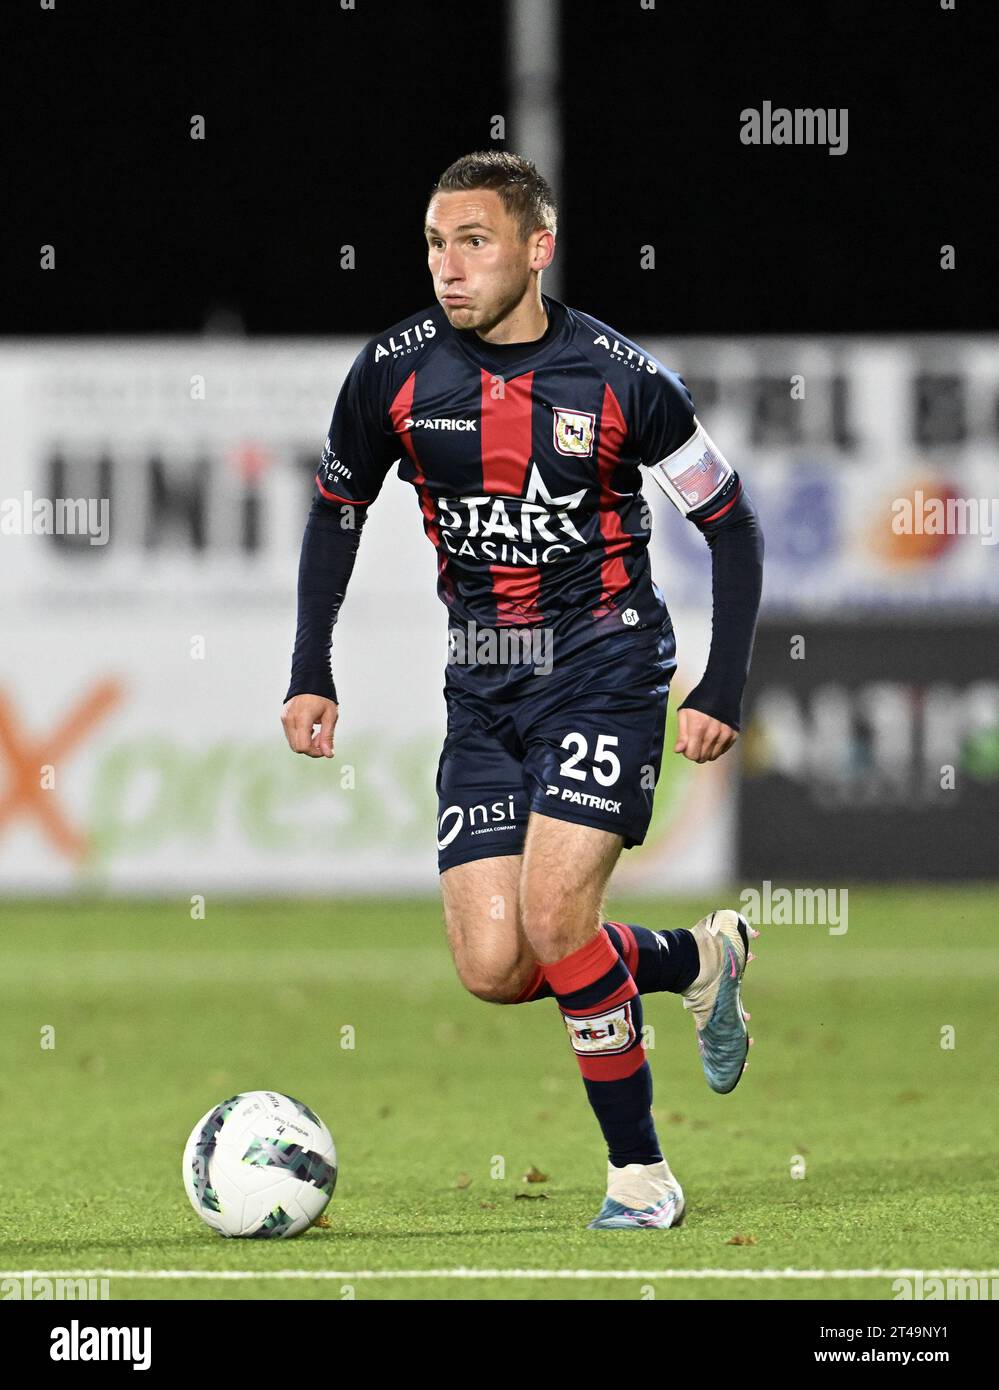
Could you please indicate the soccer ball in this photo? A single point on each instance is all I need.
(260, 1164)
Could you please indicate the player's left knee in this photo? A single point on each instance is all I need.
(546, 928)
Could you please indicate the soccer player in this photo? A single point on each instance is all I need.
(521, 424)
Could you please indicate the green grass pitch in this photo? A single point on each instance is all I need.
(157, 1017)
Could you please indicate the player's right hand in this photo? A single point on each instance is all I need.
(300, 716)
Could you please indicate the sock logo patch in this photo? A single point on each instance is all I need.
(602, 1033)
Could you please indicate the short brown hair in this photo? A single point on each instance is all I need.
(526, 194)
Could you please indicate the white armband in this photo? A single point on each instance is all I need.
(694, 473)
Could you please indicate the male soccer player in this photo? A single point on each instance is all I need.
(521, 424)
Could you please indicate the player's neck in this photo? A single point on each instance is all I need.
(527, 322)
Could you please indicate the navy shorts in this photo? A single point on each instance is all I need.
(583, 744)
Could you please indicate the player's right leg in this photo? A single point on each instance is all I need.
(482, 818)
(565, 873)
(491, 955)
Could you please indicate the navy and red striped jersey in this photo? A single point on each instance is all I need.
(525, 460)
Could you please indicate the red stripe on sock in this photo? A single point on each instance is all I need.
(629, 943)
(531, 988)
(613, 1068)
(583, 966)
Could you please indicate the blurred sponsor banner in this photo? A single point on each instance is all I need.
(872, 751)
(142, 752)
(841, 442)
(205, 451)
(146, 648)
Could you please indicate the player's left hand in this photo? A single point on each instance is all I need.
(702, 739)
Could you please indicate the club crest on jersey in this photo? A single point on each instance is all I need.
(573, 430)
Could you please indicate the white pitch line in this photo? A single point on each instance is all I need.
(461, 1273)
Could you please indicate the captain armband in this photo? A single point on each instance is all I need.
(691, 475)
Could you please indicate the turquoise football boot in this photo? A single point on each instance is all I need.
(715, 999)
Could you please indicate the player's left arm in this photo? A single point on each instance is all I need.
(702, 484)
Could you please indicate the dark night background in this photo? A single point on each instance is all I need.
(326, 127)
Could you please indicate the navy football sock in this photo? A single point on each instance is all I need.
(603, 1014)
(658, 962)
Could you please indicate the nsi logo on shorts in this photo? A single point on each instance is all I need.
(610, 1032)
(482, 820)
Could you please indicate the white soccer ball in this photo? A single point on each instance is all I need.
(260, 1164)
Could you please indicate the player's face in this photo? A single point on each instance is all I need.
(481, 268)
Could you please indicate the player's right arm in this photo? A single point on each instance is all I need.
(360, 448)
